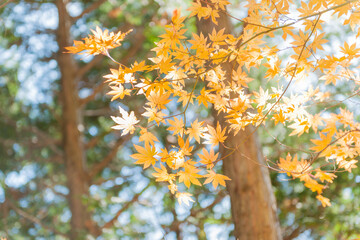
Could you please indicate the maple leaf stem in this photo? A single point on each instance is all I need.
(111, 58)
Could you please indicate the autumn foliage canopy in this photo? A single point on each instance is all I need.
(289, 40)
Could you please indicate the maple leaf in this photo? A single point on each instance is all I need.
(146, 155)
(318, 42)
(119, 92)
(147, 136)
(330, 77)
(314, 185)
(126, 122)
(162, 175)
(177, 126)
(322, 145)
(324, 176)
(353, 20)
(207, 158)
(220, 4)
(158, 100)
(185, 97)
(173, 188)
(348, 165)
(324, 201)
(99, 42)
(176, 159)
(154, 115)
(177, 75)
(215, 179)
(300, 126)
(279, 117)
(196, 130)
(219, 37)
(184, 197)
(288, 165)
(138, 67)
(215, 136)
(189, 176)
(352, 51)
(185, 146)
(241, 78)
(203, 97)
(198, 10)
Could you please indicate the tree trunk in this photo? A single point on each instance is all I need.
(74, 154)
(253, 204)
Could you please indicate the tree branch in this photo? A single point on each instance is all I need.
(33, 219)
(51, 142)
(124, 208)
(93, 141)
(5, 3)
(218, 199)
(296, 232)
(89, 9)
(108, 158)
(97, 59)
(97, 89)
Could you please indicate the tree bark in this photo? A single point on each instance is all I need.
(253, 204)
(74, 153)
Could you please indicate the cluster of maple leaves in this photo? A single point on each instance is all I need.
(189, 71)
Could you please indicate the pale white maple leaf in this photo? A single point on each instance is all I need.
(126, 122)
(184, 197)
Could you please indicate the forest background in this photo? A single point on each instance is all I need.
(120, 200)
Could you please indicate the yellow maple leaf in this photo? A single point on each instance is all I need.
(154, 114)
(98, 43)
(240, 77)
(215, 136)
(288, 164)
(177, 126)
(220, 4)
(119, 92)
(158, 100)
(146, 155)
(215, 179)
(300, 126)
(279, 117)
(323, 144)
(313, 185)
(173, 188)
(198, 10)
(207, 158)
(147, 136)
(348, 165)
(353, 20)
(324, 201)
(196, 130)
(352, 50)
(162, 175)
(219, 37)
(185, 146)
(203, 97)
(324, 176)
(189, 176)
